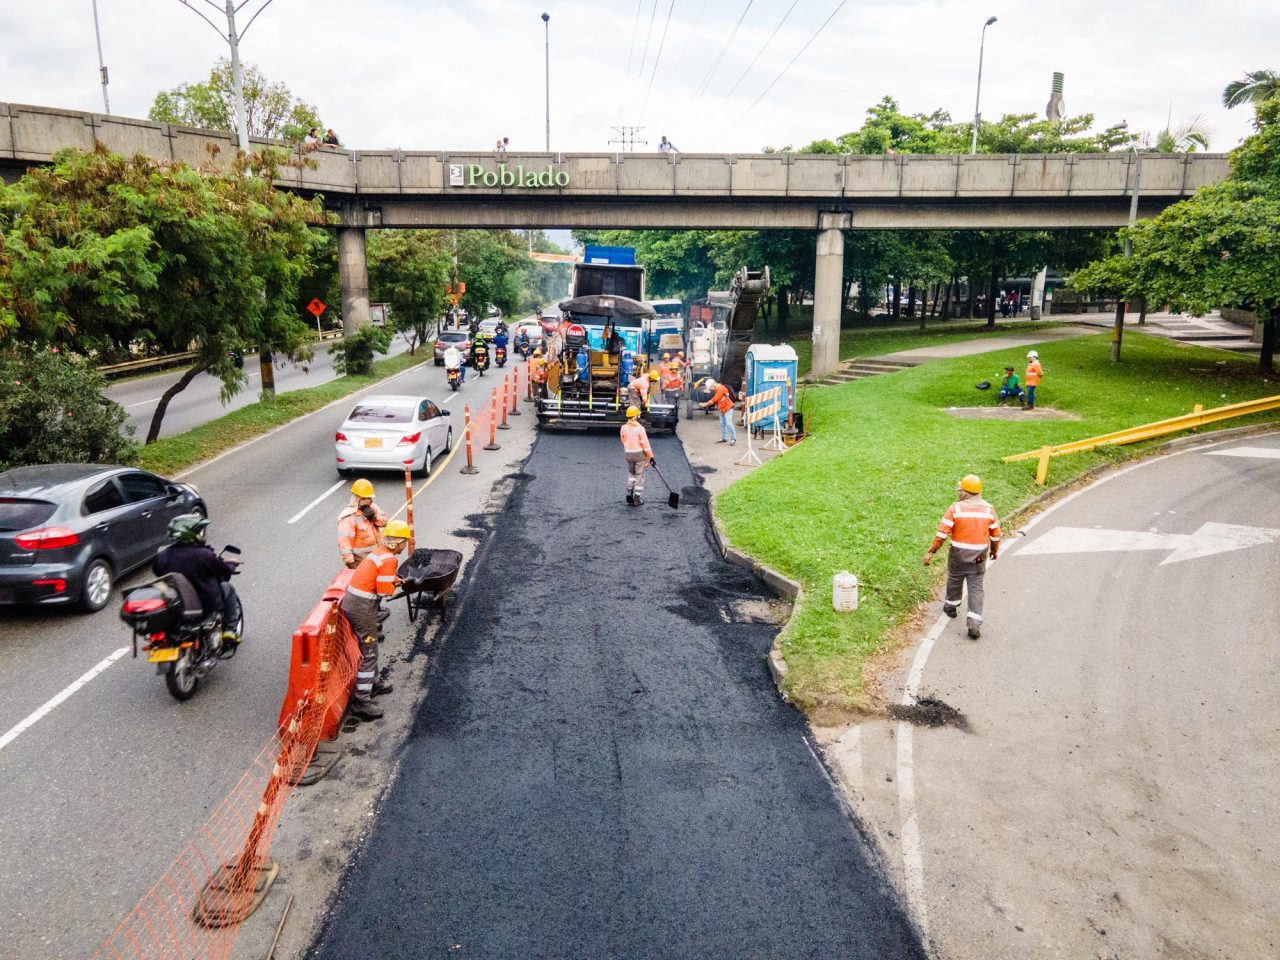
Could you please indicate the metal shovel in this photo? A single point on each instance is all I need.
(673, 498)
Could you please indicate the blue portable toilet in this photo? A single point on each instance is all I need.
(770, 365)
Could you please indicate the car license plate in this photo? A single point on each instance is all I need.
(163, 655)
(371, 443)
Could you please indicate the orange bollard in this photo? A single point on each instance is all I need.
(408, 503)
(466, 416)
(515, 392)
(503, 425)
(493, 422)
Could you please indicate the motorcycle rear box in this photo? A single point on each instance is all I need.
(152, 607)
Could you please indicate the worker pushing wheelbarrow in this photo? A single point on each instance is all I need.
(427, 576)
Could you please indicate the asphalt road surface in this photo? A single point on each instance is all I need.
(1115, 792)
(601, 766)
(100, 793)
(201, 401)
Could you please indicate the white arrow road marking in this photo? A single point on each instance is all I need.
(1210, 539)
(1260, 453)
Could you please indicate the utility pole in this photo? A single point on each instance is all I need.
(102, 67)
(977, 113)
(546, 24)
(627, 137)
(1117, 333)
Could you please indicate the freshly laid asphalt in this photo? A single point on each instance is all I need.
(601, 766)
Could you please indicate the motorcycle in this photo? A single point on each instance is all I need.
(237, 358)
(500, 355)
(454, 376)
(184, 646)
(481, 362)
(523, 348)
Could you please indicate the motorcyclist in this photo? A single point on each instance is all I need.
(359, 524)
(453, 361)
(208, 573)
(480, 353)
(500, 330)
(522, 343)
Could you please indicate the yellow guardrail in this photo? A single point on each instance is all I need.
(1147, 431)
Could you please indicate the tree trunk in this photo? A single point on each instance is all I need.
(153, 431)
(924, 305)
(973, 298)
(266, 365)
(1270, 314)
(895, 310)
(1142, 311)
(864, 298)
(947, 301)
(1117, 333)
(784, 308)
(991, 296)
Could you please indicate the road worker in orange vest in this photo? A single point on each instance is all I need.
(1034, 373)
(359, 524)
(538, 373)
(375, 579)
(974, 529)
(635, 445)
(638, 389)
(723, 402)
(672, 379)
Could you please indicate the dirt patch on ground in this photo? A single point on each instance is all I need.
(1009, 412)
(929, 712)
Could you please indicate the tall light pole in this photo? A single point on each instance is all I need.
(977, 114)
(546, 24)
(102, 67)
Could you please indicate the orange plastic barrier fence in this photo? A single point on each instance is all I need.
(223, 874)
(306, 664)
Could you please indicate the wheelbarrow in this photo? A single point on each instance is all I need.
(427, 578)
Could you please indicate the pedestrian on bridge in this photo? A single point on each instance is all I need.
(635, 446)
(974, 529)
(359, 524)
(374, 580)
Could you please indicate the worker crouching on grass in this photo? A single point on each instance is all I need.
(374, 580)
(635, 445)
(974, 529)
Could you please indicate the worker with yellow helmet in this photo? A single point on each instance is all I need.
(635, 446)
(974, 530)
(359, 524)
(638, 389)
(374, 580)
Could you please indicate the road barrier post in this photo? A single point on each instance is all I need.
(503, 425)
(1042, 468)
(408, 504)
(466, 414)
(493, 422)
(528, 382)
(515, 392)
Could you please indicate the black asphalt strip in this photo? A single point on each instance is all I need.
(601, 767)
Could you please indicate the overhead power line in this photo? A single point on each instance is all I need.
(635, 31)
(761, 51)
(807, 43)
(727, 44)
(647, 37)
(657, 60)
(689, 36)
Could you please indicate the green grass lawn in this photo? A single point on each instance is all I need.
(865, 491)
(172, 454)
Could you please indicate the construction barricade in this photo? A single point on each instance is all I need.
(761, 408)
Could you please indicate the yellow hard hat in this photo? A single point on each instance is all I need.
(397, 530)
(666, 356)
(362, 488)
(653, 374)
(971, 483)
(633, 412)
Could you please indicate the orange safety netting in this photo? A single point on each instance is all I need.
(194, 911)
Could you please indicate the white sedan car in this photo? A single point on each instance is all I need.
(385, 432)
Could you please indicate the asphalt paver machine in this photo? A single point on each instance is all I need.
(593, 357)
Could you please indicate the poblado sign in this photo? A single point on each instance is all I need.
(475, 175)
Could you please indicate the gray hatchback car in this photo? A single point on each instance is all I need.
(69, 531)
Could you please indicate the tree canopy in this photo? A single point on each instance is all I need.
(272, 109)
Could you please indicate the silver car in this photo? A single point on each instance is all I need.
(386, 432)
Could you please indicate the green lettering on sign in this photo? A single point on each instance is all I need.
(518, 178)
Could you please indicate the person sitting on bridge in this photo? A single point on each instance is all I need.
(666, 146)
(1010, 388)
(331, 138)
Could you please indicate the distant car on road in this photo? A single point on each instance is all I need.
(489, 327)
(386, 432)
(453, 338)
(69, 531)
(531, 327)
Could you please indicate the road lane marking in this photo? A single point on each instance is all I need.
(449, 397)
(49, 705)
(436, 470)
(303, 512)
(1260, 453)
(1209, 540)
(141, 403)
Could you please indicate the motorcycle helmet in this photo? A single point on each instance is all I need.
(188, 528)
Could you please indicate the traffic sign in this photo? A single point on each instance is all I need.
(316, 307)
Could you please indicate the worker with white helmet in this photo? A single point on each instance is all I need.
(1034, 373)
(359, 524)
(974, 530)
(722, 400)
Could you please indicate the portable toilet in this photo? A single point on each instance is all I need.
(772, 365)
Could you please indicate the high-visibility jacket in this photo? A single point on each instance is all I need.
(539, 373)
(973, 527)
(357, 536)
(720, 399)
(376, 575)
(641, 386)
(1034, 372)
(635, 440)
(670, 376)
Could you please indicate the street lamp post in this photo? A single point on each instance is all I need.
(546, 25)
(102, 67)
(977, 114)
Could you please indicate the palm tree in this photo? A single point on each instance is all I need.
(1257, 85)
(1190, 136)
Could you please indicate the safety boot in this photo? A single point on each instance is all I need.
(631, 499)
(381, 689)
(974, 632)
(365, 711)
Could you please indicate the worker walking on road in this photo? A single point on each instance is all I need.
(635, 445)
(722, 401)
(359, 524)
(1034, 373)
(974, 529)
(375, 578)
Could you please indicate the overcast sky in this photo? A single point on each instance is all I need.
(458, 75)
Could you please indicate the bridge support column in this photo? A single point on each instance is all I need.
(353, 278)
(828, 292)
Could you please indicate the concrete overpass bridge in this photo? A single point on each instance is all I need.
(371, 189)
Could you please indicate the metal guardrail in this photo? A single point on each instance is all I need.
(172, 359)
(1199, 417)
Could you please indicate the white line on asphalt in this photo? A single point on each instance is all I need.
(449, 397)
(912, 854)
(48, 706)
(1260, 453)
(303, 512)
(141, 403)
